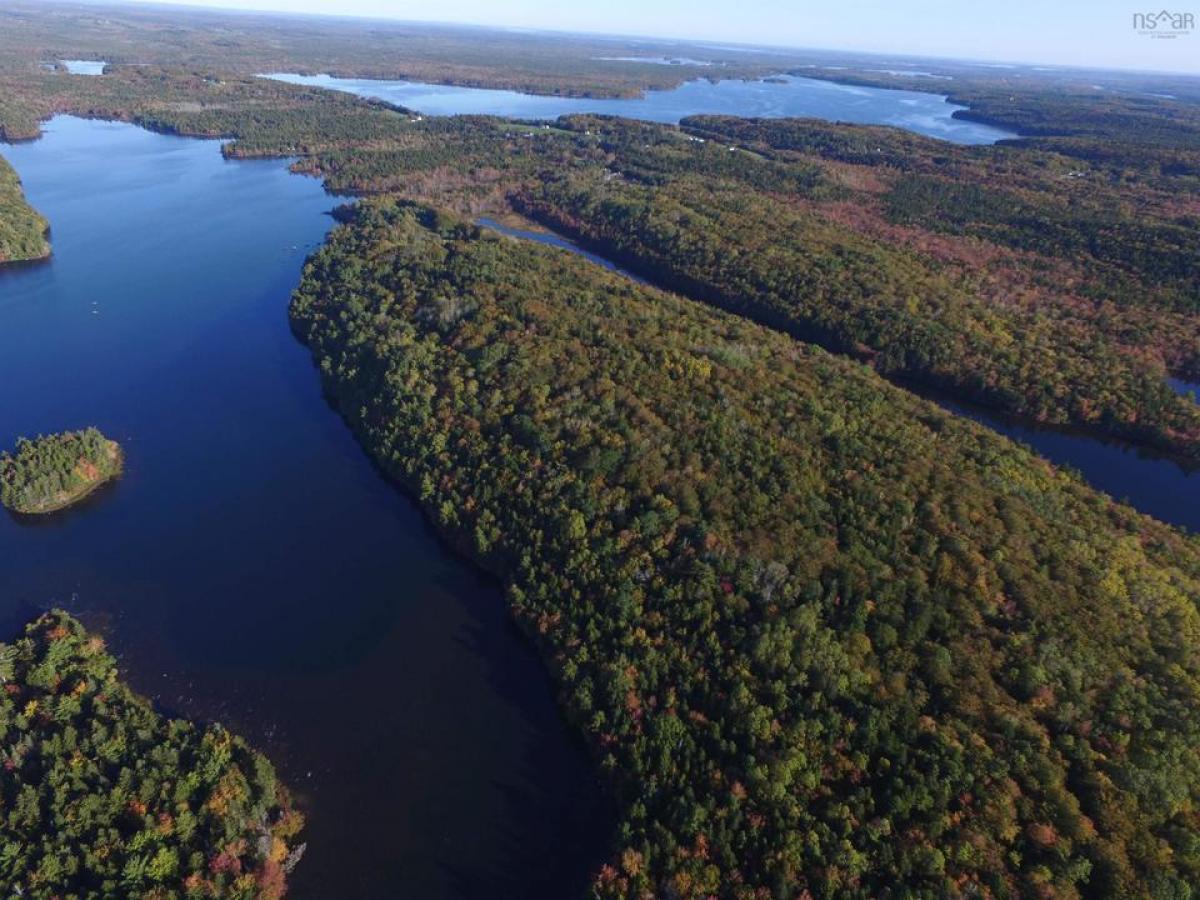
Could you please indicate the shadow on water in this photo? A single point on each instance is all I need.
(551, 239)
(250, 566)
(533, 862)
(1152, 482)
(15, 267)
(14, 618)
(60, 517)
(564, 859)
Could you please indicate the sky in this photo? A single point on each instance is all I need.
(1094, 33)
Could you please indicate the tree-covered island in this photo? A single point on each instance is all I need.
(56, 471)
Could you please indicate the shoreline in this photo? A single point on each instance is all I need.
(118, 460)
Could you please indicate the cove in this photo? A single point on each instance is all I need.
(252, 566)
(1186, 388)
(550, 239)
(1148, 481)
(924, 113)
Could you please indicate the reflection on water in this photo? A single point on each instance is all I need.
(1148, 481)
(925, 113)
(1186, 387)
(554, 240)
(252, 566)
(84, 66)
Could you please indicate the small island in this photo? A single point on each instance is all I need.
(56, 471)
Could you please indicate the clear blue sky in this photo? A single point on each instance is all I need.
(1075, 32)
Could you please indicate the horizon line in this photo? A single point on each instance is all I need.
(695, 42)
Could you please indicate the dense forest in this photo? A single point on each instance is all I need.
(247, 44)
(1015, 276)
(822, 635)
(22, 230)
(101, 796)
(1004, 275)
(1076, 111)
(55, 471)
(1015, 331)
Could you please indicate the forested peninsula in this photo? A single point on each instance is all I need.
(55, 471)
(821, 634)
(22, 230)
(822, 637)
(101, 796)
(1052, 277)
(930, 271)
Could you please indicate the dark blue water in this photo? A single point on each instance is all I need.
(1186, 387)
(554, 240)
(1148, 481)
(918, 111)
(252, 566)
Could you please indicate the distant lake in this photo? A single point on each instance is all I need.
(658, 60)
(918, 111)
(913, 73)
(252, 566)
(84, 66)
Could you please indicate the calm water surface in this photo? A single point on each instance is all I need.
(1148, 481)
(556, 240)
(252, 566)
(1186, 387)
(917, 111)
(658, 60)
(84, 66)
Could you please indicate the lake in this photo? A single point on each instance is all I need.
(1147, 480)
(1187, 388)
(555, 240)
(252, 566)
(918, 111)
(658, 60)
(84, 66)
